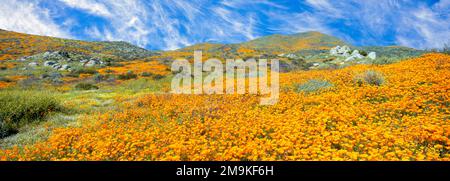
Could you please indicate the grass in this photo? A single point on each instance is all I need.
(19, 108)
(313, 85)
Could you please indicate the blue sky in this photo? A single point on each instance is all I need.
(171, 24)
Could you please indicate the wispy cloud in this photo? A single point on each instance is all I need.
(171, 24)
(91, 6)
(28, 17)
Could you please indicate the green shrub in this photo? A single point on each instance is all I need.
(127, 76)
(370, 77)
(158, 77)
(386, 60)
(147, 74)
(313, 86)
(19, 108)
(363, 53)
(85, 71)
(86, 86)
(4, 79)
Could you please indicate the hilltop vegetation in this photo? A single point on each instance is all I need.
(16, 45)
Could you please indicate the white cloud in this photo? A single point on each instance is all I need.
(92, 6)
(27, 17)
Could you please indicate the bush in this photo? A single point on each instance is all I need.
(91, 71)
(86, 86)
(152, 75)
(18, 108)
(158, 77)
(313, 86)
(147, 74)
(4, 79)
(363, 53)
(127, 76)
(370, 77)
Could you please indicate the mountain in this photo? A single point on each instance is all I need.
(275, 44)
(14, 45)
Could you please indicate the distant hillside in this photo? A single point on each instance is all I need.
(275, 43)
(15, 45)
(295, 42)
(393, 51)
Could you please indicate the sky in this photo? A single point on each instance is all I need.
(172, 24)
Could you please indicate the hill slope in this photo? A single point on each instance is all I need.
(15, 45)
(275, 43)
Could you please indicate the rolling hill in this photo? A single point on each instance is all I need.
(275, 44)
(14, 45)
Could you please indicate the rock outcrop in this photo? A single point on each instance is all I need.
(344, 51)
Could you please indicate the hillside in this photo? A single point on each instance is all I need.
(275, 44)
(16, 45)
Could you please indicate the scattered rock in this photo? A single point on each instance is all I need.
(49, 63)
(372, 55)
(33, 64)
(340, 51)
(55, 75)
(65, 67)
(351, 58)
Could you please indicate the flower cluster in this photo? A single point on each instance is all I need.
(405, 118)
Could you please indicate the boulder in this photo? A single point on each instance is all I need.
(65, 67)
(33, 64)
(49, 63)
(56, 66)
(344, 50)
(334, 50)
(292, 56)
(372, 55)
(356, 54)
(340, 51)
(55, 75)
(351, 58)
(91, 63)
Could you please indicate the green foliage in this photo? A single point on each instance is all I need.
(385, 60)
(86, 86)
(147, 74)
(313, 86)
(363, 53)
(370, 77)
(127, 76)
(4, 79)
(18, 108)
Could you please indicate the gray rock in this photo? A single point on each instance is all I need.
(351, 58)
(84, 61)
(33, 64)
(91, 63)
(333, 51)
(343, 50)
(293, 56)
(356, 54)
(372, 55)
(49, 63)
(340, 51)
(56, 66)
(65, 67)
(55, 75)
